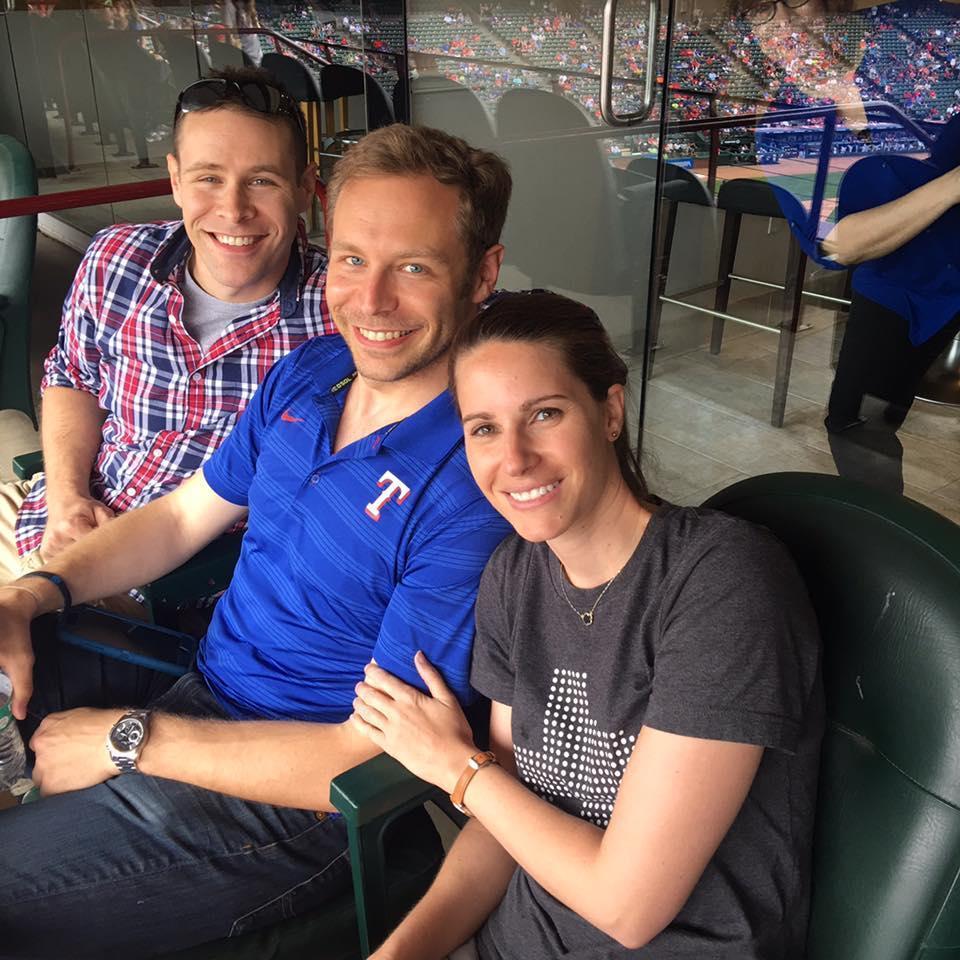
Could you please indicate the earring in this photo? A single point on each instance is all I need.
(614, 435)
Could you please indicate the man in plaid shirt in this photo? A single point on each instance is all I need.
(168, 330)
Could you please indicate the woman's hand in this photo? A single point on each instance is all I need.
(429, 735)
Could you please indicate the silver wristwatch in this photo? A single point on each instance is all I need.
(126, 739)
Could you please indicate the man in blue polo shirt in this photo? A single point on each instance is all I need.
(367, 536)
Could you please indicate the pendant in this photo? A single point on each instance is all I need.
(586, 618)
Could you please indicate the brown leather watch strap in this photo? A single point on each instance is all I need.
(477, 762)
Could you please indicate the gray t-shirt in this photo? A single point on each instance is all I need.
(707, 632)
(205, 317)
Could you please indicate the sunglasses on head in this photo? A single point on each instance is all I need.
(251, 93)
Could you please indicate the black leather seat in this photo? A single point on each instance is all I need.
(302, 84)
(338, 83)
(739, 198)
(679, 186)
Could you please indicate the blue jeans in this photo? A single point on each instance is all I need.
(139, 865)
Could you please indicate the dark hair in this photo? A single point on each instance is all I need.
(399, 150)
(242, 75)
(541, 317)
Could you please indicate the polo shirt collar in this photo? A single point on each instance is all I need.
(428, 434)
(173, 252)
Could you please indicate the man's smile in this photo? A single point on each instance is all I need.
(234, 240)
(378, 336)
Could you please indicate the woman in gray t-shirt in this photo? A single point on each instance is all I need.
(654, 677)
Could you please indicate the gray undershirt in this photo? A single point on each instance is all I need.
(206, 318)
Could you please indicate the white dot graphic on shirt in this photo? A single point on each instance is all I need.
(576, 759)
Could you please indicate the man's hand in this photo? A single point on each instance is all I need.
(17, 607)
(69, 520)
(71, 749)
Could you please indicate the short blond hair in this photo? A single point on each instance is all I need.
(482, 177)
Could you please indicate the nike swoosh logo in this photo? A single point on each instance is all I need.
(288, 417)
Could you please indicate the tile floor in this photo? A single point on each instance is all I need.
(707, 417)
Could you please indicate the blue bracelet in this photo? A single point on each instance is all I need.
(58, 582)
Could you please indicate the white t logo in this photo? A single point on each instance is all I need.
(393, 486)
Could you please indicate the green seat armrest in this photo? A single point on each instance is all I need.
(370, 797)
(377, 788)
(28, 465)
(18, 241)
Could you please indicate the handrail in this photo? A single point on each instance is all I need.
(607, 53)
(89, 197)
(879, 109)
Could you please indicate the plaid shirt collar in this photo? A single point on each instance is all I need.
(170, 261)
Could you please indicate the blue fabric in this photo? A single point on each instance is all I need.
(806, 229)
(140, 865)
(322, 586)
(921, 280)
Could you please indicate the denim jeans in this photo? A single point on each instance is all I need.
(139, 865)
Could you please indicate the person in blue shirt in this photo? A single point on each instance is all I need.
(207, 814)
(898, 231)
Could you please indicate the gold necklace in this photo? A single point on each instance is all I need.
(586, 616)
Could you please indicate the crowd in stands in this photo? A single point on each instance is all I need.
(911, 57)
(905, 53)
(902, 52)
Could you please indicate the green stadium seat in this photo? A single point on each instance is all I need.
(18, 239)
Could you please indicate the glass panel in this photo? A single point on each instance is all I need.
(821, 111)
(96, 85)
(92, 87)
(523, 78)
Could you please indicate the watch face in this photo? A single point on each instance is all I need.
(128, 734)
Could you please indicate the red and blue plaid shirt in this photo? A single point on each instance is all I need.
(168, 406)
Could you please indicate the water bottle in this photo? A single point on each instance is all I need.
(12, 758)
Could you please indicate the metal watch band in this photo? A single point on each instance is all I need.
(126, 762)
(58, 582)
(477, 762)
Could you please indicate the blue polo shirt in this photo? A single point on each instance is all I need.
(373, 551)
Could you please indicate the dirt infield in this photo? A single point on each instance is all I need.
(785, 168)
